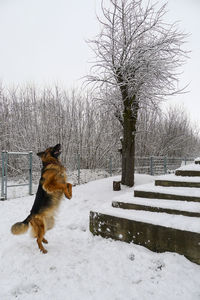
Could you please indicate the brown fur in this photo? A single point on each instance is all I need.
(52, 186)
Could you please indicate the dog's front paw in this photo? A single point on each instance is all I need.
(68, 191)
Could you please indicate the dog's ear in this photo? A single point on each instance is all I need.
(40, 154)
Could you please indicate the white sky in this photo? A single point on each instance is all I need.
(43, 42)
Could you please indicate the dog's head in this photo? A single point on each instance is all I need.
(50, 153)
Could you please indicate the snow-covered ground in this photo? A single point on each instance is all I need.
(81, 266)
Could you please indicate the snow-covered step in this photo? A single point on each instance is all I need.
(173, 193)
(185, 208)
(192, 173)
(161, 219)
(155, 231)
(173, 177)
(177, 181)
(188, 170)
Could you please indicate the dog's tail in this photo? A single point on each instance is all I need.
(21, 227)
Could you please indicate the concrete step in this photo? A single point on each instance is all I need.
(171, 193)
(176, 183)
(191, 173)
(155, 231)
(154, 195)
(190, 209)
(173, 177)
(192, 170)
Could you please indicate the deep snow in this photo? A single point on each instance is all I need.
(81, 266)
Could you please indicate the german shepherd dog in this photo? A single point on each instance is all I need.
(52, 186)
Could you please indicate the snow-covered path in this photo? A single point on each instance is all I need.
(81, 266)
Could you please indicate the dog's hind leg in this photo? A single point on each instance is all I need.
(39, 231)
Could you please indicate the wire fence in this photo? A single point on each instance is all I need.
(158, 165)
(18, 170)
(4, 171)
(78, 172)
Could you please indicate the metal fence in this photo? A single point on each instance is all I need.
(5, 166)
(153, 165)
(158, 165)
(18, 168)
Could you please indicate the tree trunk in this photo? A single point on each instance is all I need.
(128, 148)
(130, 114)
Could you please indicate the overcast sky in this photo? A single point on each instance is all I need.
(44, 42)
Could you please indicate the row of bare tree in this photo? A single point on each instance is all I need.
(33, 119)
(167, 134)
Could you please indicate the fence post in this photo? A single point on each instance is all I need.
(30, 172)
(165, 165)
(110, 165)
(151, 166)
(2, 179)
(5, 174)
(78, 165)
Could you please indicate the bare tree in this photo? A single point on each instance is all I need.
(138, 58)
